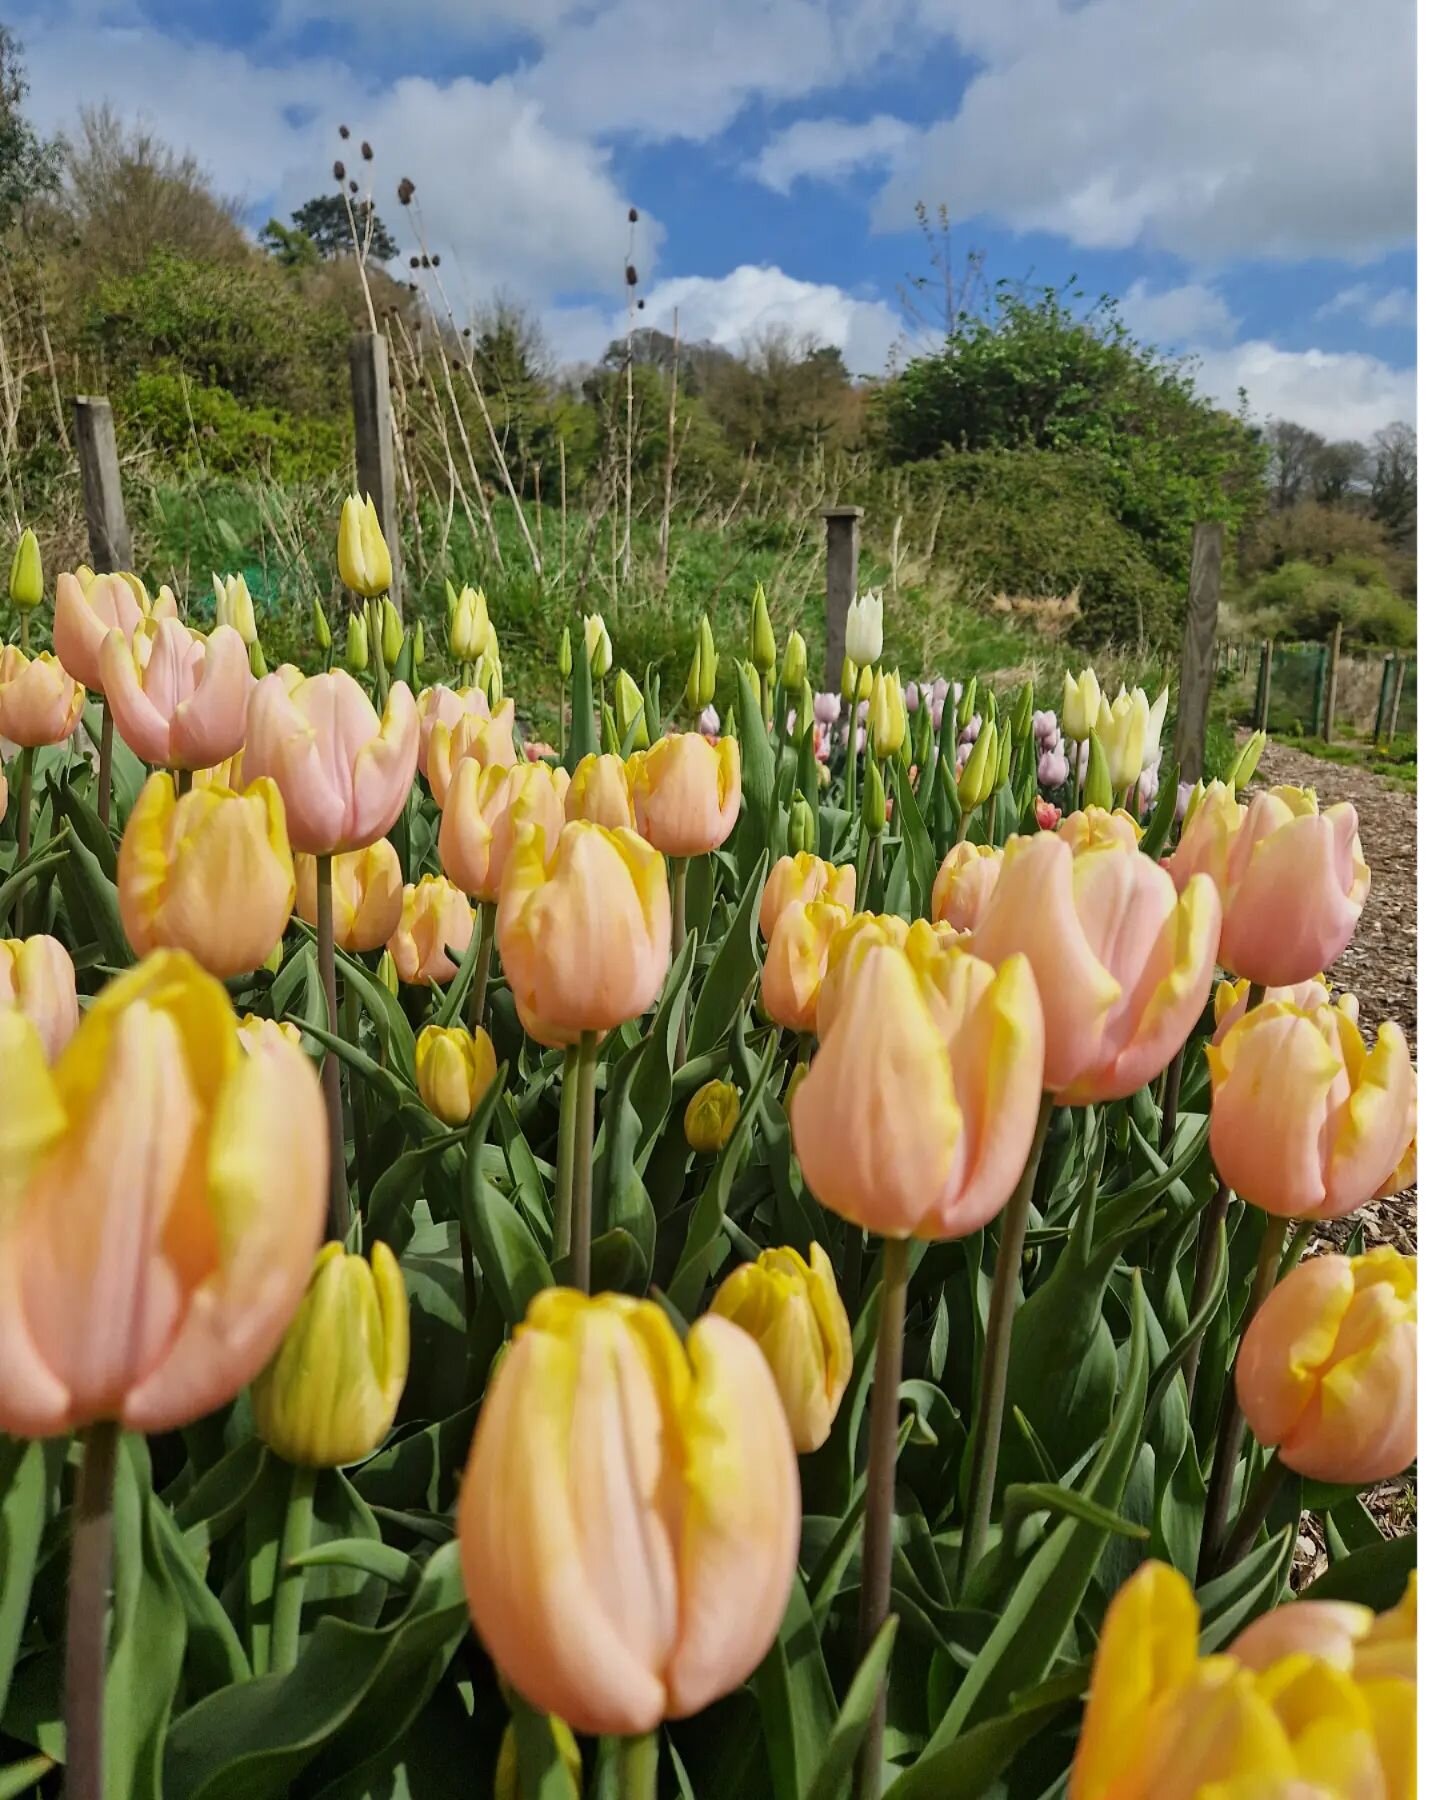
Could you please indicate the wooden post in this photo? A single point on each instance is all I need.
(110, 546)
(1197, 657)
(375, 441)
(1262, 687)
(1401, 665)
(1386, 669)
(842, 572)
(1332, 680)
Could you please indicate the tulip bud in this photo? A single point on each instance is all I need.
(330, 1393)
(750, 675)
(452, 599)
(453, 1070)
(233, 606)
(1002, 756)
(469, 622)
(419, 654)
(762, 633)
(392, 632)
(255, 656)
(1023, 711)
(1247, 760)
(27, 578)
(886, 725)
(320, 624)
(507, 1764)
(712, 1115)
(977, 780)
(597, 646)
(630, 710)
(361, 550)
(864, 682)
(387, 974)
(491, 679)
(872, 802)
(357, 644)
(793, 668)
(864, 629)
(1098, 791)
(693, 702)
(802, 836)
(849, 676)
(565, 659)
(1080, 706)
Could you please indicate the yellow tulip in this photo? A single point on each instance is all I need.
(468, 621)
(712, 1115)
(1080, 706)
(453, 1069)
(885, 728)
(1122, 726)
(361, 551)
(792, 668)
(630, 710)
(329, 1395)
(597, 646)
(234, 607)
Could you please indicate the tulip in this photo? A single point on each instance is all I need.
(887, 717)
(366, 894)
(1327, 1368)
(435, 918)
(708, 723)
(711, 1116)
(256, 1033)
(453, 1070)
(329, 1395)
(1122, 725)
(234, 607)
(630, 712)
(796, 958)
(39, 702)
(597, 646)
(827, 709)
(1047, 815)
(1232, 1001)
(865, 629)
(1099, 828)
(762, 633)
(343, 772)
(1052, 770)
(27, 577)
(793, 666)
(165, 1194)
(600, 792)
(583, 929)
(441, 705)
(981, 769)
(797, 879)
(700, 682)
(491, 679)
(630, 1513)
(1046, 729)
(209, 873)
(917, 1116)
(565, 656)
(963, 885)
(1080, 705)
(1292, 879)
(862, 932)
(86, 615)
(357, 644)
(392, 632)
(1247, 761)
(1122, 965)
(179, 699)
(1305, 1122)
(469, 619)
(485, 808)
(793, 1311)
(37, 978)
(320, 625)
(361, 550)
(686, 792)
(801, 833)
(487, 738)
(1327, 1629)
(1154, 724)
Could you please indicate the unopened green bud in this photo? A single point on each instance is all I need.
(750, 675)
(977, 778)
(1098, 791)
(27, 578)
(803, 837)
(872, 800)
(762, 633)
(793, 668)
(630, 710)
(1242, 770)
(565, 661)
(320, 624)
(357, 644)
(392, 632)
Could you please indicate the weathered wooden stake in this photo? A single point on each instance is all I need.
(1332, 681)
(1262, 689)
(1197, 658)
(1400, 667)
(842, 572)
(375, 441)
(1382, 705)
(110, 546)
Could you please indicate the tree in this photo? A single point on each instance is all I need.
(290, 247)
(1339, 472)
(29, 167)
(1292, 450)
(325, 220)
(1394, 490)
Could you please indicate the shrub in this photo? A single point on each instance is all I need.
(189, 423)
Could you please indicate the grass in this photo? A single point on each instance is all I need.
(1395, 762)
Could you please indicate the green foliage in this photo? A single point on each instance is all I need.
(207, 426)
(1305, 601)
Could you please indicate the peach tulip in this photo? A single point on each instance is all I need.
(178, 698)
(1232, 1001)
(796, 880)
(485, 738)
(1123, 965)
(435, 918)
(37, 978)
(686, 792)
(343, 773)
(1292, 879)
(209, 872)
(1327, 1368)
(919, 1109)
(255, 1033)
(630, 1513)
(366, 891)
(39, 702)
(438, 704)
(1095, 827)
(856, 938)
(1329, 1629)
(165, 1195)
(964, 883)
(1304, 1121)
(796, 959)
(583, 930)
(600, 792)
(85, 617)
(485, 808)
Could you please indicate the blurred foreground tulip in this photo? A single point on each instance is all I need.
(39, 702)
(85, 617)
(796, 959)
(343, 772)
(1306, 1122)
(361, 551)
(963, 885)
(1327, 1368)
(165, 1194)
(796, 880)
(630, 1512)
(686, 792)
(1292, 879)
(1122, 966)
(436, 922)
(366, 891)
(793, 1311)
(583, 930)
(179, 699)
(1350, 1637)
(255, 1033)
(209, 872)
(329, 1394)
(486, 738)
(37, 978)
(917, 1115)
(711, 1116)
(600, 792)
(484, 810)
(453, 1069)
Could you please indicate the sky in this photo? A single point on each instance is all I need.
(1238, 174)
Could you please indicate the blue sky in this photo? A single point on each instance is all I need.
(1239, 175)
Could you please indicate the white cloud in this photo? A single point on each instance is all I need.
(1373, 306)
(829, 149)
(1342, 394)
(1192, 313)
(1210, 128)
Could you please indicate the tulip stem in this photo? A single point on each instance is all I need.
(1231, 1430)
(330, 1069)
(850, 726)
(995, 1363)
(560, 758)
(481, 989)
(290, 1581)
(1253, 1514)
(184, 779)
(24, 632)
(107, 756)
(22, 829)
(679, 870)
(91, 1548)
(875, 1555)
(565, 1158)
(1170, 1103)
(1207, 1255)
(583, 1157)
(637, 1766)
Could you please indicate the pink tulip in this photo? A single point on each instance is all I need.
(39, 702)
(178, 698)
(686, 792)
(436, 920)
(827, 709)
(964, 884)
(1052, 770)
(441, 705)
(485, 808)
(37, 978)
(487, 739)
(84, 619)
(342, 772)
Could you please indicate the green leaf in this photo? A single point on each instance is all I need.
(365, 1554)
(543, 1775)
(1374, 1576)
(1232, 1600)
(394, 1090)
(455, 995)
(214, 1655)
(147, 1637)
(101, 902)
(219, 1499)
(1157, 832)
(420, 1469)
(84, 821)
(1023, 1499)
(832, 1779)
(732, 972)
(511, 1261)
(22, 1519)
(582, 740)
(919, 847)
(797, 1701)
(391, 1025)
(51, 855)
(969, 1768)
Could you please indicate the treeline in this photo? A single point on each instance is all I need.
(1034, 449)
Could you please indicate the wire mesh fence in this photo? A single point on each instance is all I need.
(1376, 692)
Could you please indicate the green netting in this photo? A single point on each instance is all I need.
(1365, 690)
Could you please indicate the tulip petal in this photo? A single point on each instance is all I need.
(1271, 1080)
(1374, 1128)
(209, 725)
(1294, 910)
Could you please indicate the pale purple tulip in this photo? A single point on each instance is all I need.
(1082, 762)
(1147, 788)
(709, 721)
(1182, 798)
(972, 730)
(827, 709)
(962, 753)
(912, 696)
(1044, 725)
(1052, 769)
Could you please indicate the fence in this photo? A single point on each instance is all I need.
(1375, 692)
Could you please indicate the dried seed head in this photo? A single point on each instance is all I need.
(414, 262)
(354, 187)
(465, 331)
(634, 216)
(344, 131)
(339, 169)
(640, 305)
(406, 190)
(631, 278)
(366, 151)
(435, 260)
